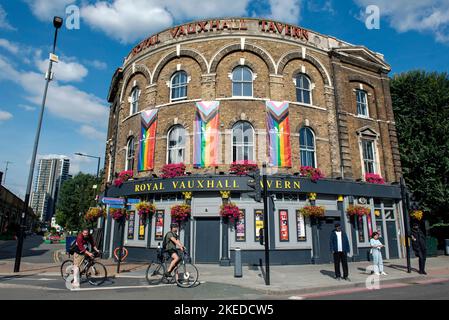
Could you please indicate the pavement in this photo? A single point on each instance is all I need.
(286, 280)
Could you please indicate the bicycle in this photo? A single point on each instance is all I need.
(185, 273)
(95, 272)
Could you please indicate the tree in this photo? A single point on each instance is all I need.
(421, 107)
(76, 196)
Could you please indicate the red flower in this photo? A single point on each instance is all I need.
(314, 174)
(358, 210)
(374, 178)
(173, 170)
(242, 167)
(180, 212)
(230, 211)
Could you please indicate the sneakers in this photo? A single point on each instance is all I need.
(384, 273)
(167, 274)
(337, 278)
(377, 273)
(347, 279)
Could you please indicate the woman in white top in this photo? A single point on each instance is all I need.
(376, 247)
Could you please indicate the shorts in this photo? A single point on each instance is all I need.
(78, 259)
(171, 251)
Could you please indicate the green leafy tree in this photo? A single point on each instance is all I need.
(421, 106)
(75, 198)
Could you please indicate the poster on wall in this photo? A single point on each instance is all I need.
(240, 228)
(300, 226)
(131, 225)
(283, 225)
(159, 225)
(258, 218)
(141, 228)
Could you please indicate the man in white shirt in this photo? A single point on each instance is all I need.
(339, 246)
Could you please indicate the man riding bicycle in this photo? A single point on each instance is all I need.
(82, 241)
(171, 242)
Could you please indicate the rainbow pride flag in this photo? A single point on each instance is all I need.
(278, 129)
(147, 141)
(206, 135)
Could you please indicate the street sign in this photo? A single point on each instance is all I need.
(113, 201)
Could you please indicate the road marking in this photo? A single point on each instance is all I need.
(24, 286)
(295, 298)
(122, 287)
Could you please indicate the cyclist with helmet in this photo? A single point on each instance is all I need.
(171, 244)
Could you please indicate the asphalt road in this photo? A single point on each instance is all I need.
(34, 250)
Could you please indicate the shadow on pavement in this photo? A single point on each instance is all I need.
(400, 267)
(328, 273)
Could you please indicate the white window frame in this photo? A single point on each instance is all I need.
(310, 88)
(375, 155)
(242, 81)
(134, 101)
(314, 146)
(242, 145)
(127, 158)
(178, 86)
(176, 148)
(365, 94)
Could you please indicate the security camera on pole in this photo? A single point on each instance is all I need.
(57, 23)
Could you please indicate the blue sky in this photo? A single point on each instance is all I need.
(411, 36)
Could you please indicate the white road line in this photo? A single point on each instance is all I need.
(123, 287)
(295, 298)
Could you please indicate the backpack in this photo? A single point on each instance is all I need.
(73, 247)
(165, 242)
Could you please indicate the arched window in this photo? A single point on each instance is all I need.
(134, 107)
(303, 89)
(362, 103)
(242, 141)
(307, 147)
(176, 144)
(178, 85)
(130, 151)
(242, 82)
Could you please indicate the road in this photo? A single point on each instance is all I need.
(34, 250)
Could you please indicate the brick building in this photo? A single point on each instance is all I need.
(336, 99)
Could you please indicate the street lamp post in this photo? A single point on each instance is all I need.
(57, 23)
(87, 155)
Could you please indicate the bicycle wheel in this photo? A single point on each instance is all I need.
(155, 273)
(186, 275)
(96, 274)
(66, 269)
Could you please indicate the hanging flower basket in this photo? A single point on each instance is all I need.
(314, 174)
(122, 177)
(173, 170)
(358, 211)
(93, 214)
(230, 211)
(374, 178)
(180, 212)
(313, 211)
(145, 209)
(242, 168)
(118, 213)
(417, 214)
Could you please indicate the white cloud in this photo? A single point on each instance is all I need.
(70, 71)
(45, 10)
(4, 24)
(127, 20)
(26, 107)
(11, 47)
(92, 133)
(422, 16)
(76, 162)
(5, 115)
(97, 64)
(64, 101)
(285, 10)
(205, 9)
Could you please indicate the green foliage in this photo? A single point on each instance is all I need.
(76, 196)
(421, 107)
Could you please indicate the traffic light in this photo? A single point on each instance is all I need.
(413, 203)
(254, 183)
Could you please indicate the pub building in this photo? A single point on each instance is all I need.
(216, 95)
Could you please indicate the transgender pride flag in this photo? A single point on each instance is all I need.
(278, 129)
(206, 136)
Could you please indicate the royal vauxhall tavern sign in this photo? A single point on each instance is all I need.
(218, 26)
(286, 184)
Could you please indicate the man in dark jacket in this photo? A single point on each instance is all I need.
(419, 246)
(339, 246)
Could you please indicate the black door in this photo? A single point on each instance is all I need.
(207, 240)
(392, 240)
(325, 228)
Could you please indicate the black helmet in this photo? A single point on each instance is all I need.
(173, 225)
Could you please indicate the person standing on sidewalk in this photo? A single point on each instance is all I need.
(376, 247)
(419, 247)
(339, 245)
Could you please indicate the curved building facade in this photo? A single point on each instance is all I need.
(216, 92)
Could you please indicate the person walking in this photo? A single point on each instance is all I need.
(419, 247)
(339, 246)
(376, 247)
